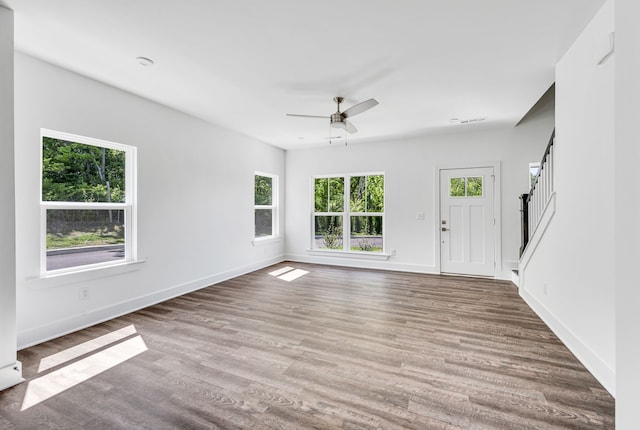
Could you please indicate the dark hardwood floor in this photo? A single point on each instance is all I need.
(335, 348)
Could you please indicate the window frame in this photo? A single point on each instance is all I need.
(129, 206)
(346, 215)
(275, 224)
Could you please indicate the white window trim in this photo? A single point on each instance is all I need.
(129, 206)
(346, 220)
(274, 206)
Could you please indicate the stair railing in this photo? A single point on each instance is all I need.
(533, 204)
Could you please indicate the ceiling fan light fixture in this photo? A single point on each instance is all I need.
(338, 124)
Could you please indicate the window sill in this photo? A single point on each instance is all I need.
(350, 254)
(265, 240)
(85, 274)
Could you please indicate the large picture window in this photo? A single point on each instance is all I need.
(357, 208)
(87, 207)
(265, 205)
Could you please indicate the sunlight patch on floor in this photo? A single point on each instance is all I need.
(280, 271)
(53, 383)
(85, 348)
(288, 273)
(292, 275)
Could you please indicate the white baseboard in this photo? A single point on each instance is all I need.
(362, 264)
(34, 336)
(381, 265)
(598, 368)
(507, 270)
(10, 375)
(515, 278)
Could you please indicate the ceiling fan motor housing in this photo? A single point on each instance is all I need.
(337, 120)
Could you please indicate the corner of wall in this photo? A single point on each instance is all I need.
(10, 368)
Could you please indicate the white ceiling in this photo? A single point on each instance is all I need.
(244, 64)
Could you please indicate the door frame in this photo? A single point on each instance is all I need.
(497, 210)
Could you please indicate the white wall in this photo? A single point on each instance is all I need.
(8, 376)
(569, 279)
(627, 213)
(195, 200)
(410, 168)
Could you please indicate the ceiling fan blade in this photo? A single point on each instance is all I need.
(359, 108)
(307, 116)
(350, 127)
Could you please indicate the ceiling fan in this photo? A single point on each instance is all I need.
(339, 119)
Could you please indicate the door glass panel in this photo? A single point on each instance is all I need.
(456, 187)
(474, 186)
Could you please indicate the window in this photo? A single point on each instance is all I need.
(265, 205)
(328, 212)
(357, 208)
(87, 202)
(465, 187)
(534, 168)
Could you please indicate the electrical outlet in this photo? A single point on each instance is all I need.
(392, 252)
(84, 293)
(544, 289)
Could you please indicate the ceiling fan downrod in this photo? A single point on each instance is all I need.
(337, 120)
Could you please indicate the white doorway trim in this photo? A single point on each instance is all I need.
(497, 209)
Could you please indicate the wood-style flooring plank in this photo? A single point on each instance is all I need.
(337, 348)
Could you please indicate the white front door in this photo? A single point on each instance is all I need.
(467, 221)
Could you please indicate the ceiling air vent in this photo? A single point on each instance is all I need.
(470, 120)
(467, 121)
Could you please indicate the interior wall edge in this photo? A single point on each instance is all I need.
(10, 368)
